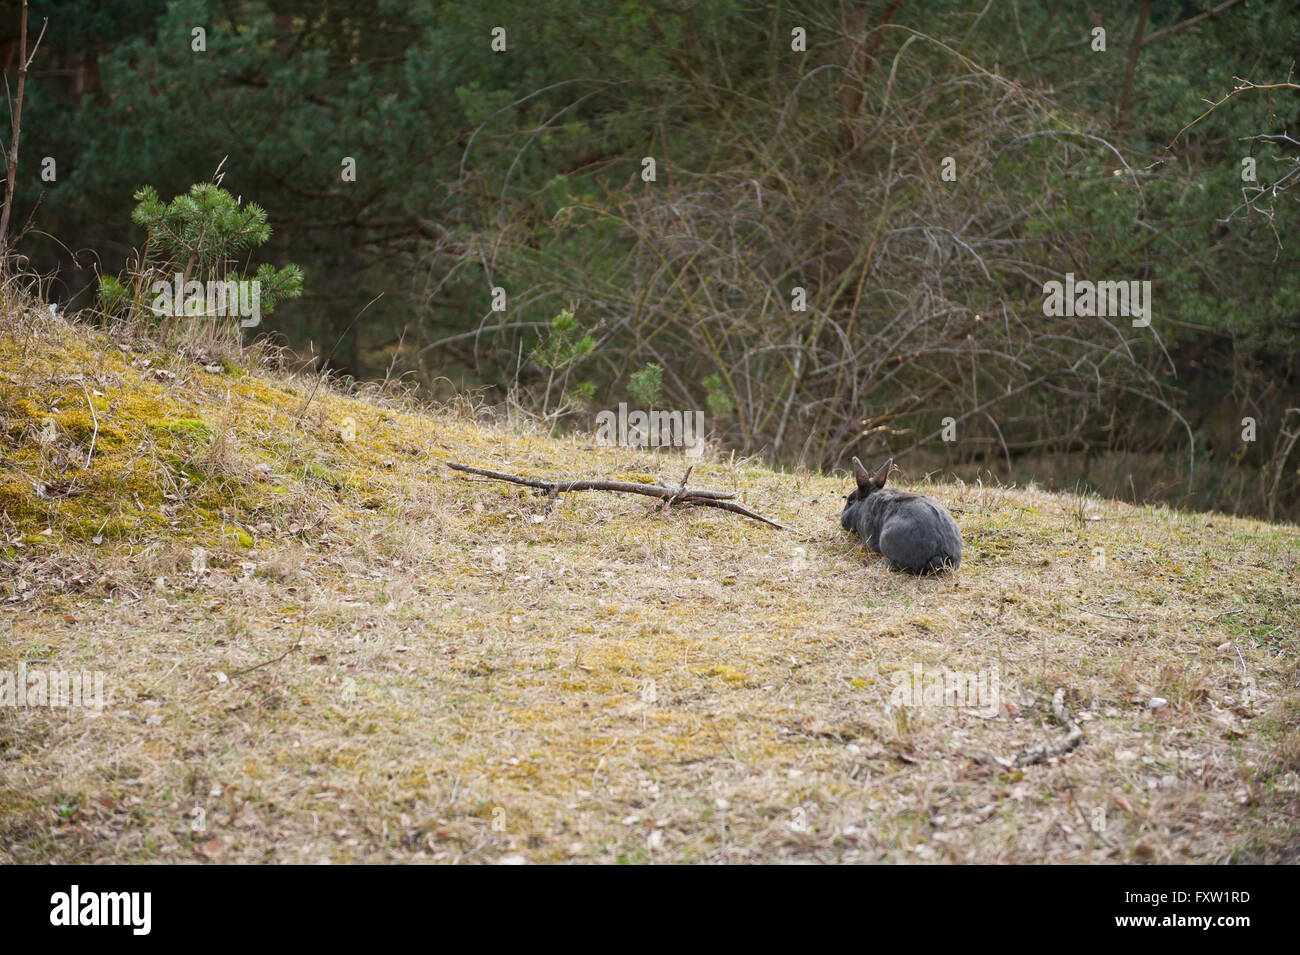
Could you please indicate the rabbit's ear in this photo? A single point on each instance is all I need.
(860, 473)
(882, 474)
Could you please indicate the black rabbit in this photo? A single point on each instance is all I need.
(915, 533)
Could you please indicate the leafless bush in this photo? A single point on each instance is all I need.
(924, 297)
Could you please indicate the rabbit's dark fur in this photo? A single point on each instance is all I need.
(915, 533)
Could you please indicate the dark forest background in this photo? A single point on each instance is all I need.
(774, 168)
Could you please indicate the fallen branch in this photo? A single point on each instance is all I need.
(670, 495)
(631, 487)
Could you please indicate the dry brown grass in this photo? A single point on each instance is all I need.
(373, 659)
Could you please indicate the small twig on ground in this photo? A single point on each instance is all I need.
(1039, 752)
(681, 490)
(1226, 613)
(670, 495)
(1042, 751)
(94, 418)
(1112, 616)
(266, 663)
(145, 692)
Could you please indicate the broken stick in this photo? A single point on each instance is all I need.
(1073, 736)
(670, 495)
(1040, 752)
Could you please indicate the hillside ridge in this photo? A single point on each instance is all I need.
(410, 664)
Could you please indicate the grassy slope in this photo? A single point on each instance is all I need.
(377, 659)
